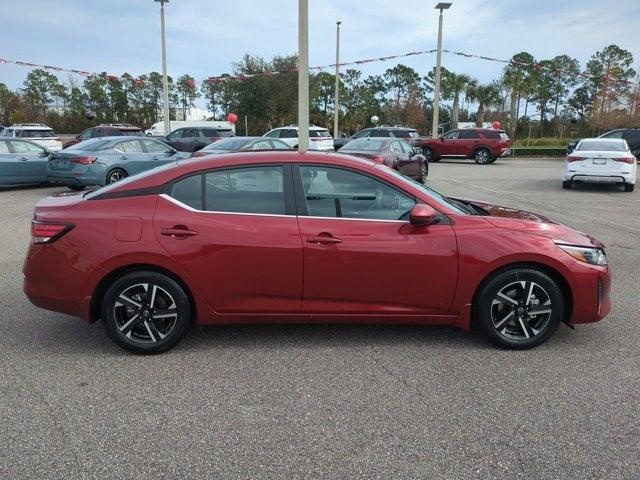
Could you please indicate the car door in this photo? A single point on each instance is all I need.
(130, 156)
(408, 165)
(467, 142)
(158, 153)
(235, 231)
(32, 161)
(175, 139)
(361, 254)
(448, 143)
(9, 169)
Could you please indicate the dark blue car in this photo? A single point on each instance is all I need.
(22, 162)
(100, 161)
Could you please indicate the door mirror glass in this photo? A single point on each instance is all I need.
(422, 215)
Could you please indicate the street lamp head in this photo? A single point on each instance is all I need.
(440, 6)
(338, 23)
(161, 1)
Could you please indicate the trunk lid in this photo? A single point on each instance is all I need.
(49, 207)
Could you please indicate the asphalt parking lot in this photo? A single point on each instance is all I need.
(333, 401)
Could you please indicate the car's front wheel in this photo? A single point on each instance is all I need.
(146, 312)
(429, 154)
(519, 308)
(424, 171)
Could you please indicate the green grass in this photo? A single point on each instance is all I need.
(539, 151)
(542, 142)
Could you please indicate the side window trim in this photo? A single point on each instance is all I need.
(289, 197)
(301, 203)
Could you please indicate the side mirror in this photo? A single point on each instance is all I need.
(441, 138)
(422, 214)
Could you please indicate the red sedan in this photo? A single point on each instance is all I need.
(314, 237)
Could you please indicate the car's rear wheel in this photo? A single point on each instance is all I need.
(115, 175)
(77, 188)
(519, 308)
(629, 187)
(566, 184)
(424, 171)
(482, 156)
(146, 312)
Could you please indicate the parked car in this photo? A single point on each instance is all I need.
(631, 135)
(319, 137)
(99, 161)
(105, 130)
(191, 139)
(601, 160)
(35, 132)
(392, 152)
(239, 144)
(483, 145)
(279, 236)
(409, 135)
(22, 162)
(157, 129)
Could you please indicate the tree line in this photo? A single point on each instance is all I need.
(553, 97)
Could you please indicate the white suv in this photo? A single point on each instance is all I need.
(35, 132)
(319, 138)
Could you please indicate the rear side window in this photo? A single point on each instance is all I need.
(633, 135)
(246, 190)
(289, 133)
(35, 133)
(25, 147)
(189, 191)
(319, 133)
(493, 135)
(131, 146)
(405, 134)
(469, 134)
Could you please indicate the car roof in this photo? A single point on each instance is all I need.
(296, 127)
(30, 126)
(603, 140)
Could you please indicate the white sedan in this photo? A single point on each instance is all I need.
(601, 160)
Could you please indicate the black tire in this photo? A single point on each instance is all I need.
(629, 187)
(566, 184)
(482, 156)
(508, 322)
(151, 320)
(115, 175)
(424, 172)
(77, 188)
(429, 154)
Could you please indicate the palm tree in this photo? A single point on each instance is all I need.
(487, 96)
(454, 85)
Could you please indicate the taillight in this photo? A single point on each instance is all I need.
(84, 160)
(377, 159)
(630, 160)
(575, 159)
(45, 232)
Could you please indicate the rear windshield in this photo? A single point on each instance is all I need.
(504, 136)
(214, 132)
(602, 146)
(91, 145)
(226, 144)
(35, 133)
(406, 134)
(319, 133)
(368, 144)
(131, 133)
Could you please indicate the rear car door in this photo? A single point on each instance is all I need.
(158, 152)
(9, 169)
(467, 142)
(33, 161)
(361, 255)
(130, 156)
(235, 231)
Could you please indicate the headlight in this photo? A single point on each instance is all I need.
(594, 256)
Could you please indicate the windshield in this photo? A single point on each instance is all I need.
(406, 134)
(364, 144)
(107, 188)
(226, 144)
(35, 133)
(132, 133)
(91, 145)
(603, 146)
(432, 193)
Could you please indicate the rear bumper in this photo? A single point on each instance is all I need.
(590, 178)
(73, 181)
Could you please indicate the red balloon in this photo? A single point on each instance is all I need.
(232, 117)
(496, 125)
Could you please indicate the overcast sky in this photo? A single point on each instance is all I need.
(205, 36)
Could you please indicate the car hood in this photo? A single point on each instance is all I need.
(520, 220)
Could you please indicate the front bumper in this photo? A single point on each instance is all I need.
(592, 295)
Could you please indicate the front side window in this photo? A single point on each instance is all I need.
(153, 146)
(367, 144)
(86, 134)
(336, 192)
(362, 134)
(132, 146)
(26, 147)
(614, 134)
(396, 147)
(289, 133)
(246, 190)
(177, 134)
(452, 135)
(280, 145)
(273, 134)
(633, 135)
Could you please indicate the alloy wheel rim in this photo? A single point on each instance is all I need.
(482, 156)
(428, 154)
(521, 310)
(145, 313)
(115, 176)
(424, 172)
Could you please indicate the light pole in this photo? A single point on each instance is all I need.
(336, 95)
(165, 84)
(436, 96)
(303, 75)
